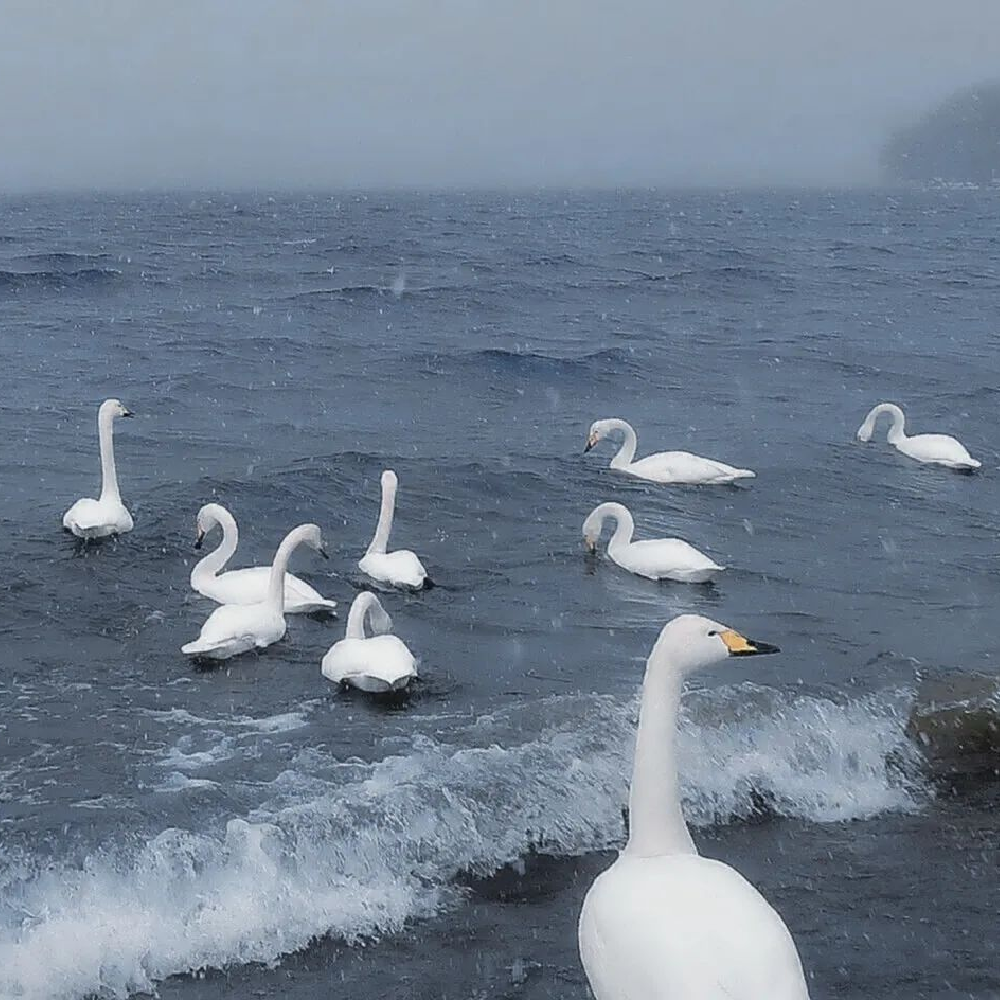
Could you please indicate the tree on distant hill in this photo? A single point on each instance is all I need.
(957, 141)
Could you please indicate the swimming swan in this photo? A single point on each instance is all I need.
(939, 449)
(663, 921)
(398, 569)
(234, 628)
(244, 586)
(108, 516)
(664, 466)
(378, 664)
(655, 558)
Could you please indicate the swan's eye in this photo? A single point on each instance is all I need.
(713, 632)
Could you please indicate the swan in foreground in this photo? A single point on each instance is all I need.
(398, 569)
(244, 586)
(89, 518)
(235, 628)
(664, 466)
(939, 449)
(378, 664)
(655, 558)
(663, 922)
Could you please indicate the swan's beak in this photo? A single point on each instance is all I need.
(739, 645)
(322, 551)
(199, 539)
(590, 544)
(127, 413)
(591, 441)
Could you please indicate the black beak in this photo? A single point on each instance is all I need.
(127, 413)
(754, 648)
(199, 539)
(587, 447)
(322, 551)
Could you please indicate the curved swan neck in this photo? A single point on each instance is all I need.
(656, 819)
(626, 453)
(385, 515)
(276, 581)
(624, 524)
(897, 429)
(210, 564)
(364, 605)
(109, 475)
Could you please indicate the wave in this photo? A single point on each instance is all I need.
(354, 850)
(57, 280)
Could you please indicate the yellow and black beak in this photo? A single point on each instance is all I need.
(591, 441)
(590, 544)
(739, 645)
(199, 539)
(127, 412)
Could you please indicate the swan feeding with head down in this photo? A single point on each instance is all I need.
(654, 558)
(244, 586)
(236, 628)
(937, 449)
(680, 467)
(379, 663)
(89, 518)
(663, 922)
(397, 569)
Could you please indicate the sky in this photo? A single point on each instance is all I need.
(332, 94)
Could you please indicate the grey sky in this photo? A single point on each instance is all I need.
(286, 93)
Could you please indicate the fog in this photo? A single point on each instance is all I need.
(371, 93)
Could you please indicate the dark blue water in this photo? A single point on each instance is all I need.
(279, 352)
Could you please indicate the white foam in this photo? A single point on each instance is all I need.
(355, 849)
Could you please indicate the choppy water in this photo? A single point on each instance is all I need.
(279, 352)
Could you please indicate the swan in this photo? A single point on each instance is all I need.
(244, 586)
(662, 921)
(398, 569)
(378, 664)
(939, 449)
(655, 558)
(664, 466)
(89, 518)
(234, 628)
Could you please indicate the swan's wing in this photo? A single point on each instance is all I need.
(400, 569)
(685, 926)
(249, 586)
(663, 556)
(83, 514)
(685, 467)
(940, 448)
(380, 664)
(300, 597)
(91, 519)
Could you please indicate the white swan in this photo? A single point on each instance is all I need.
(89, 518)
(398, 569)
(661, 921)
(234, 628)
(664, 466)
(655, 558)
(244, 586)
(939, 449)
(378, 664)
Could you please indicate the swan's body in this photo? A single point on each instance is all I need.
(664, 466)
(937, 449)
(397, 569)
(378, 664)
(656, 558)
(236, 628)
(89, 518)
(244, 586)
(663, 923)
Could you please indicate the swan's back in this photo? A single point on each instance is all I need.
(685, 467)
(376, 665)
(235, 628)
(940, 448)
(250, 586)
(663, 558)
(683, 927)
(401, 568)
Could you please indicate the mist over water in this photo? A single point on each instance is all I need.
(112, 95)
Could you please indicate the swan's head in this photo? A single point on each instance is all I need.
(309, 534)
(208, 517)
(598, 429)
(389, 480)
(114, 407)
(691, 642)
(594, 523)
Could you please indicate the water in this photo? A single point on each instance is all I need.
(160, 824)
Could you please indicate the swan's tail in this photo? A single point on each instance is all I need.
(745, 474)
(220, 649)
(314, 607)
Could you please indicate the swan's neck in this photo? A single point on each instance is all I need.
(384, 526)
(656, 821)
(276, 581)
(363, 603)
(624, 528)
(212, 563)
(897, 431)
(626, 453)
(109, 476)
